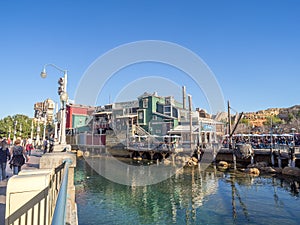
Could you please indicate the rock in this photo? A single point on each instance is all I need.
(191, 163)
(291, 171)
(167, 162)
(195, 159)
(252, 171)
(79, 153)
(278, 170)
(251, 166)
(261, 164)
(223, 165)
(86, 154)
(268, 169)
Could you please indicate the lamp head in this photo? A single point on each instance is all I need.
(64, 96)
(43, 73)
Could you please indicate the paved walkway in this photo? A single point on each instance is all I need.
(33, 163)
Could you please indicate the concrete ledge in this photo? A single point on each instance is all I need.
(36, 171)
(22, 188)
(61, 148)
(54, 159)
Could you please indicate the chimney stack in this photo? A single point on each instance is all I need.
(183, 97)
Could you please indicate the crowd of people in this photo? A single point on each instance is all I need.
(19, 152)
(264, 141)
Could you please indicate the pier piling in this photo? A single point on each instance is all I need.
(272, 157)
(279, 159)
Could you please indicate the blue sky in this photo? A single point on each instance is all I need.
(252, 47)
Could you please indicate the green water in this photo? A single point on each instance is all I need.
(189, 197)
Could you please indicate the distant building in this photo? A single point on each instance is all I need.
(77, 116)
(150, 114)
(156, 114)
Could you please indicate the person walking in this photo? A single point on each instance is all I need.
(18, 156)
(29, 146)
(51, 143)
(45, 145)
(4, 156)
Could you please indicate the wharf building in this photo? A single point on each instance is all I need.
(150, 116)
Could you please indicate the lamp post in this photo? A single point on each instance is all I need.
(9, 131)
(55, 122)
(20, 130)
(15, 130)
(31, 130)
(38, 129)
(63, 99)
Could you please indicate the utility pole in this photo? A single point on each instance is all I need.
(230, 138)
(191, 122)
(229, 124)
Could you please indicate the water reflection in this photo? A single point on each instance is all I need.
(191, 196)
(127, 173)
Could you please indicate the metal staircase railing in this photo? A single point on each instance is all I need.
(141, 131)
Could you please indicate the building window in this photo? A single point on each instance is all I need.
(168, 101)
(145, 103)
(159, 108)
(141, 115)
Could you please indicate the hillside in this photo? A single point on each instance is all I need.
(281, 120)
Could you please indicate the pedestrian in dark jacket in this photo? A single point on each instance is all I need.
(4, 156)
(18, 156)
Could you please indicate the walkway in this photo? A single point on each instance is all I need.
(33, 163)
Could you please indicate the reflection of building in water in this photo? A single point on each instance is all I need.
(179, 195)
(185, 191)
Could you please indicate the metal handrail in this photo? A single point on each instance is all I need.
(59, 215)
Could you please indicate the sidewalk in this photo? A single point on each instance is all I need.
(33, 163)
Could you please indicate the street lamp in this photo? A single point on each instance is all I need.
(15, 130)
(63, 99)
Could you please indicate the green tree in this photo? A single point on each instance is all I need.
(298, 114)
(20, 124)
(290, 117)
(245, 121)
(272, 120)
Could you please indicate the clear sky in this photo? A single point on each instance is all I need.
(252, 47)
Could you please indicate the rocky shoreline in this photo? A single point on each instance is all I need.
(263, 168)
